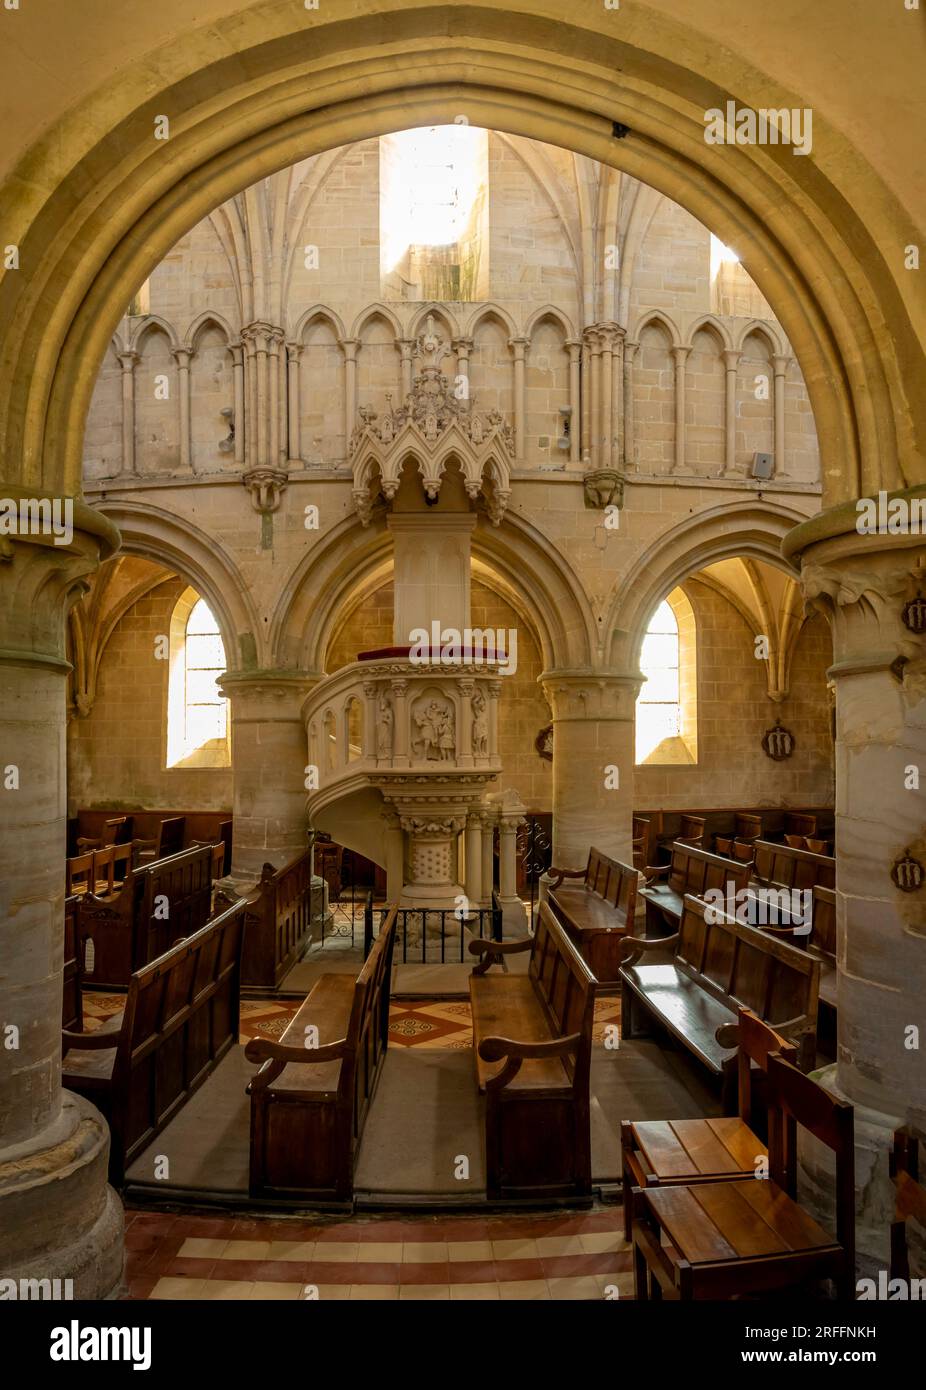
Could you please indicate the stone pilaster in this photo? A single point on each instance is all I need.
(863, 584)
(58, 1217)
(269, 768)
(593, 753)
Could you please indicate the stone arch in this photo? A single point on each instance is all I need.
(440, 311)
(349, 555)
(376, 311)
(208, 319)
(491, 311)
(709, 323)
(326, 315)
(258, 92)
(745, 529)
(151, 323)
(181, 547)
(759, 328)
(549, 312)
(658, 316)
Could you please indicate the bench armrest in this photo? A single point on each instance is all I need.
(653, 871)
(496, 1049)
(90, 1042)
(565, 873)
(633, 947)
(263, 1050)
(495, 950)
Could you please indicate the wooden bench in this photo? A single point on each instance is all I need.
(532, 1042)
(597, 912)
(156, 904)
(643, 842)
(661, 1153)
(798, 869)
(743, 1239)
(720, 965)
(311, 1096)
(691, 870)
(180, 1018)
(72, 1000)
(909, 1200)
(278, 922)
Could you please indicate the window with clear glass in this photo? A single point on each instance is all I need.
(659, 713)
(197, 713)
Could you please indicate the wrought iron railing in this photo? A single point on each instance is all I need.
(433, 935)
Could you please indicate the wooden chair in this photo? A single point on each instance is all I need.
(817, 846)
(795, 841)
(104, 871)
(800, 823)
(112, 832)
(661, 1153)
(747, 826)
(734, 1239)
(910, 1199)
(744, 851)
(78, 874)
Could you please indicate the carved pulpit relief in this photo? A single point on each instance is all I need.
(480, 725)
(385, 720)
(433, 730)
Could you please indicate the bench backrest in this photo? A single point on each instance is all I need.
(566, 988)
(792, 868)
(72, 1012)
(696, 870)
(79, 873)
(368, 1029)
(823, 924)
(613, 881)
(278, 921)
(909, 1198)
(744, 966)
(157, 903)
(181, 1014)
(795, 1100)
(800, 823)
(755, 1042)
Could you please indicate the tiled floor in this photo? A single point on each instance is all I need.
(567, 1256)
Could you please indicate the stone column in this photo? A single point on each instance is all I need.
(586, 431)
(630, 443)
(489, 820)
(269, 756)
(237, 352)
(129, 360)
(574, 348)
(607, 384)
(58, 1217)
(593, 722)
(275, 401)
(593, 447)
(395, 856)
(474, 858)
(400, 723)
(465, 732)
(872, 589)
(182, 357)
(731, 360)
(406, 347)
(463, 347)
(293, 355)
(518, 347)
(349, 347)
(681, 357)
(510, 816)
(780, 364)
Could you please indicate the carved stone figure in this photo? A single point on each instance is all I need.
(384, 725)
(480, 725)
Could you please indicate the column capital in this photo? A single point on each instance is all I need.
(518, 347)
(349, 348)
(731, 358)
(129, 359)
(863, 565)
(591, 694)
(182, 355)
(268, 694)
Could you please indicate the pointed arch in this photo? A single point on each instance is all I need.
(660, 317)
(152, 323)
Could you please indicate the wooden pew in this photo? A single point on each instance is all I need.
(719, 966)
(311, 1096)
(821, 943)
(598, 911)
(661, 1153)
(909, 1200)
(735, 822)
(780, 866)
(156, 904)
(532, 1041)
(72, 1004)
(742, 1239)
(642, 842)
(691, 870)
(112, 831)
(278, 922)
(180, 1018)
(168, 840)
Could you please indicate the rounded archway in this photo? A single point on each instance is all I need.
(283, 89)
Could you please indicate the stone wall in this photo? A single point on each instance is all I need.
(116, 754)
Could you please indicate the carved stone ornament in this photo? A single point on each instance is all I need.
(604, 487)
(436, 420)
(266, 487)
(908, 873)
(544, 742)
(778, 743)
(914, 614)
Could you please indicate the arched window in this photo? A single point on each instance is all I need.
(666, 713)
(197, 714)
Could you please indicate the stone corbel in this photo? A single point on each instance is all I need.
(266, 486)
(604, 487)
